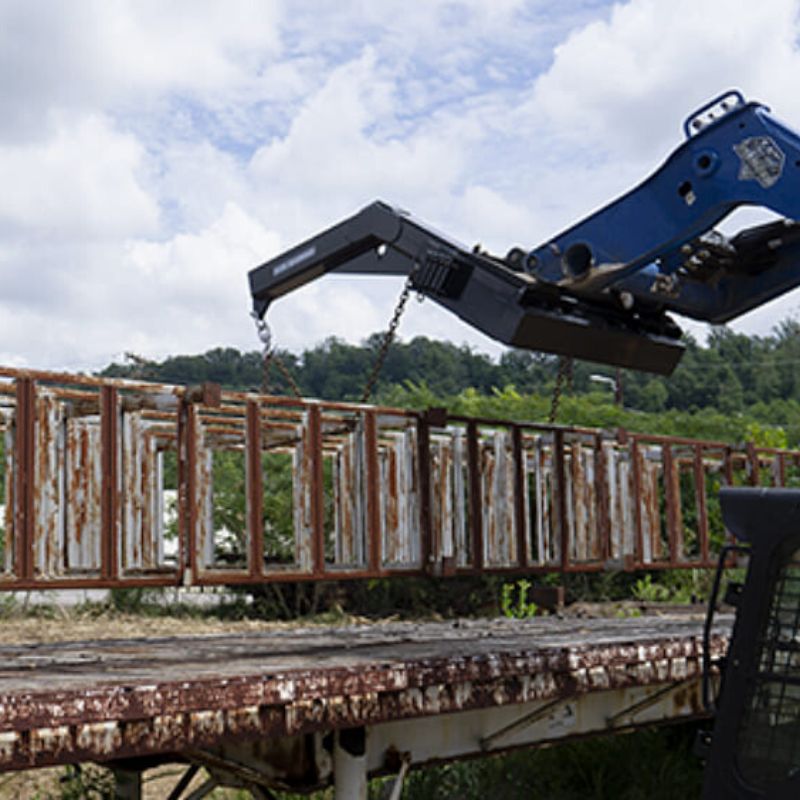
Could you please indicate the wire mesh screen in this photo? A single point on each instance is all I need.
(768, 747)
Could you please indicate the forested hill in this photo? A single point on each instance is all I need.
(731, 373)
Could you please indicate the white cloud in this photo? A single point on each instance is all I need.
(83, 183)
(188, 294)
(110, 53)
(197, 45)
(197, 181)
(625, 82)
(329, 163)
(152, 153)
(185, 291)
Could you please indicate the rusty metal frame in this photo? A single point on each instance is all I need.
(475, 500)
(519, 498)
(582, 473)
(373, 491)
(255, 510)
(24, 484)
(424, 471)
(109, 437)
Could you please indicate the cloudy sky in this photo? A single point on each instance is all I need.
(152, 152)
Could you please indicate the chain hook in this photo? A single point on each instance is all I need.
(269, 356)
(263, 330)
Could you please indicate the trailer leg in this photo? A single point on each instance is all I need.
(127, 784)
(350, 764)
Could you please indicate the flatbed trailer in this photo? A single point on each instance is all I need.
(303, 708)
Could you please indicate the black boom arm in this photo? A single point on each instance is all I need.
(509, 305)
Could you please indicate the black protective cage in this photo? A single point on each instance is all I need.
(755, 748)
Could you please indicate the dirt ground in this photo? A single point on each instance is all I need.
(60, 626)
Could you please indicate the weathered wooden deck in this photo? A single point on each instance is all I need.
(124, 698)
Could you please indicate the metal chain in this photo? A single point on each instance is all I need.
(388, 338)
(265, 337)
(284, 370)
(270, 356)
(564, 370)
(139, 365)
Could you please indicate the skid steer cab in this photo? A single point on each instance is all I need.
(754, 750)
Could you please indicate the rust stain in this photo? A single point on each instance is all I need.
(599, 497)
(159, 712)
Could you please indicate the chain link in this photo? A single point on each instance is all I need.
(564, 372)
(284, 370)
(263, 330)
(270, 356)
(570, 375)
(388, 338)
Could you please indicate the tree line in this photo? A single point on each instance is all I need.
(734, 375)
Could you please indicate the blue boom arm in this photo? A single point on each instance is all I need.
(656, 242)
(602, 289)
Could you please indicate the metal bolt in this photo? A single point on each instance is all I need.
(626, 299)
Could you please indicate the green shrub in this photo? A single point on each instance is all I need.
(519, 608)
